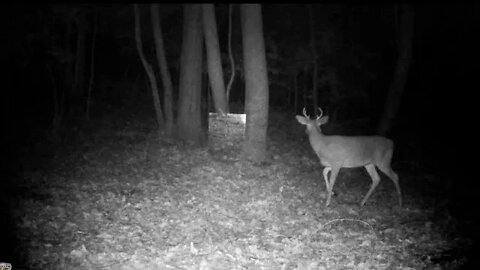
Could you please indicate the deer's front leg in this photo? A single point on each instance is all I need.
(333, 176)
(325, 176)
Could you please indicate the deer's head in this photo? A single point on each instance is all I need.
(313, 125)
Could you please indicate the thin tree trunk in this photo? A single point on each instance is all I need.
(69, 68)
(314, 54)
(164, 71)
(148, 69)
(305, 86)
(295, 92)
(77, 87)
(397, 87)
(205, 99)
(256, 83)
(289, 91)
(190, 85)
(214, 61)
(230, 54)
(57, 116)
(92, 67)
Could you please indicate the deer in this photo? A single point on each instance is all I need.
(336, 152)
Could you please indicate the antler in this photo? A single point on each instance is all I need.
(305, 113)
(321, 113)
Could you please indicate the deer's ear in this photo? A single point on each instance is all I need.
(302, 120)
(322, 120)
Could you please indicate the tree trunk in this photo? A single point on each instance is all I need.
(305, 86)
(66, 87)
(77, 87)
(214, 61)
(57, 116)
(397, 87)
(256, 83)
(313, 43)
(295, 92)
(190, 85)
(92, 67)
(148, 69)
(205, 99)
(164, 71)
(230, 54)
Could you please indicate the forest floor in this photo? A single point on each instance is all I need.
(116, 196)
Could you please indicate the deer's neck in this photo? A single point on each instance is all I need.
(321, 145)
(317, 139)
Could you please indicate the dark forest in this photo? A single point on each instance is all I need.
(236, 136)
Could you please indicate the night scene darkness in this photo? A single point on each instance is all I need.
(239, 136)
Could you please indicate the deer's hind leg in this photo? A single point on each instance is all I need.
(375, 180)
(386, 168)
(394, 177)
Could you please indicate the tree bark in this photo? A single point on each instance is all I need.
(189, 113)
(313, 44)
(57, 115)
(230, 54)
(77, 87)
(295, 92)
(164, 71)
(256, 83)
(148, 69)
(214, 61)
(92, 67)
(397, 87)
(69, 69)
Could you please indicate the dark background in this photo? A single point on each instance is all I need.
(436, 119)
(435, 129)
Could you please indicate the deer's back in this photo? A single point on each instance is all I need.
(351, 151)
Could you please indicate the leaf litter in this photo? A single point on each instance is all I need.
(130, 200)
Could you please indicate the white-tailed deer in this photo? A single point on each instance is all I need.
(337, 152)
